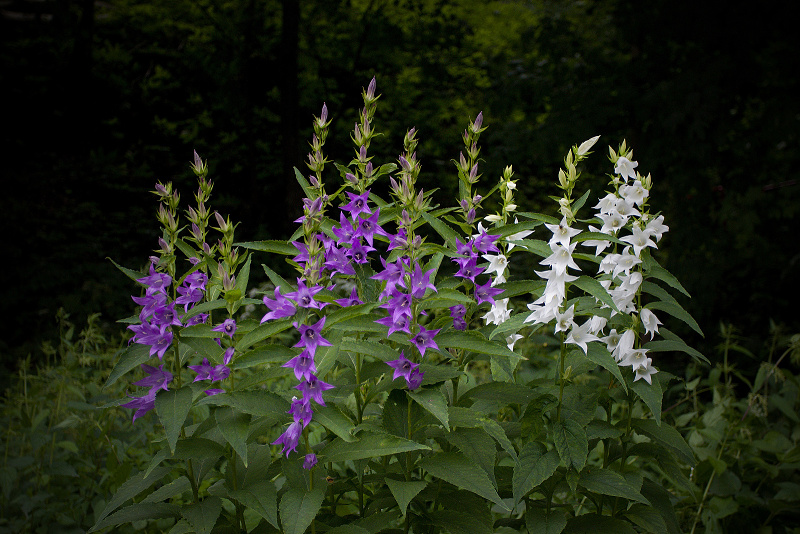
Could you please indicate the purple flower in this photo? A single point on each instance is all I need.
(486, 293)
(424, 340)
(310, 461)
(484, 243)
(344, 231)
(421, 282)
(196, 280)
(227, 327)
(311, 336)
(302, 365)
(142, 404)
(279, 308)
(304, 296)
(401, 324)
(166, 316)
(392, 274)
(357, 204)
(458, 312)
(468, 268)
(464, 249)
(301, 410)
(157, 337)
(398, 241)
(197, 319)
(399, 304)
(303, 257)
(312, 389)
(415, 379)
(290, 438)
(206, 371)
(155, 281)
(358, 252)
(367, 228)
(402, 367)
(337, 261)
(150, 302)
(157, 378)
(352, 300)
(189, 295)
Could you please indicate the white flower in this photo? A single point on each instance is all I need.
(635, 358)
(624, 167)
(625, 262)
(518, 236)
(587, 145)
(646, 371)
(499, 313)
(564, 321)
(624, 345)
(626, 209)
(497, 263)
(607, 203)
(611, 340)
(657, 227)
(580, 335)
(650, 322)
(561, 258)
(612, 222)
(562, 233)
(640, 239)
(511, 340)
(493, 218)
(635, 194)
(598, 322)
(600, 244)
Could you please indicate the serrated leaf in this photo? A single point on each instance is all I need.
(258, 402)
(571, 443)
(130, 273)
(403, 492)
(474, 342)
(262, 332)
(261, 497)
(664, 345)
(277, 280)
(348, 529)
(198, 448)
(447, 233)
(458, 470)
(478, 446)
(434, 402)
(133, 356)
(677, 311)
(128, 490)
(595, 289)
(501, 392)
(598, 524)
(598, 353)
(369, 446)
(349, 312)
(299, 507)
(607, 482)
(662, 502)
(172, 407)
(365, 346)
(332, 418)
(138, 512)
(176, 487)
(203, 515)
(539, 521)
(272, 246)
(667, 436)
(309, 192)
(466, 417)
(534, 465)
(651, 394)
(459, 522)
(234, 427)
(647, 518)
(205, 307)
(655, 270)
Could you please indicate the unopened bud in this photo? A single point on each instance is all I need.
(313, 181)
(471, 216)
(464, 204)
(323, 116)
(587, 145)
(163, 246)
(371, 89)
(476, 126)
(473, 174)
(368, 170)
(350, 177)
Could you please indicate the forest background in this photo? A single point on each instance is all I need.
(101, 99)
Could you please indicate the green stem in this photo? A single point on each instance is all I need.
(562, 357)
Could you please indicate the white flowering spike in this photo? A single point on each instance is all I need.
(639, 240)
(580, 335)
(562, 233)
(650, 322)
(600, 244)
(511, 340)
(499, 312)
(646, 371)
(587, 145)
(635, 358)
(657, 227)
(625, 167)
(564, 321)
(561, 258)
(497, 264)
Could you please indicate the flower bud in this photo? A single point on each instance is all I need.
(323, 116)
(471, 216)
(371, 90)
(368, 170)
(464, 204)
(587, 145)
(473, 174)
(476, 126)
(350, 177)
(493, 218)
(313, 181)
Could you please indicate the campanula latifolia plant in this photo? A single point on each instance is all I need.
(399, 382)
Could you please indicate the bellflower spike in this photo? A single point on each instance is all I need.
(421, 282)
(310, 461)
(486, 293)
(290, 438)
(280, 307)
(227, 327)
(311, 336)
(312, 389)
(424, 340)
(304, 296)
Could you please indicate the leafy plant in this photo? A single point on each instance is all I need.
(429, 400)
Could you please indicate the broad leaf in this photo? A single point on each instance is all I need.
(138, 512)
(272, 246)
(261, 497)
(262, 332)
(299, 507)
(676, 311)
(607, 482)
(433, 401)
(458, 470)
(478, 446)
(571, 443)
(128, 490)
(598, 524)
(598, 353)
(534, 466)
(203, 515)
(447, 233)
(234, 427)
(172, 407)
(595, 289)
(332, 418)
(466, 417)
(404, 492)
(257, 402)
(667, 436)
(369, 446)
(651, 394)
(133, 356)
(539, 521)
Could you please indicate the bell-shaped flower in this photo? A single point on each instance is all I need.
(311, 336)
(650, 322)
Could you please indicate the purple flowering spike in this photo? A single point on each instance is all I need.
(304, 296)
(345, 229)
(189, 296)
(302, 365)
(486, 293)
(393, 275)
(197, 319)
(155, 282)
(357, 204)
(227, 327)
(311, 336)
(468, 268)
(303, 255)
(310, 461)
(312, 389)
(358, 252)
(402, 367)
(157, 378)
(415, 379)
(279, 308)
(401, 324)
(290, 438)
(337, 261)
(424, 340)
(142, 404)
(367, 228)
(485, 243)
(420, 282)
(352, 300)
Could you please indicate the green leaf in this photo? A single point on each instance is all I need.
(502, 392)
(370, 445)
(198, 448)
(598, 524)
(349, 312)
(571, 442)
(676, 311)
(593, 287)
(261, 497)
(128, 490)
(206, 307)
(539, 521)
(475, 342)
(133, 356)
(578, 204)
(478, 446)
(651, 394)
(665, 345)
(130, 273)
(433, 401)
(458, 470)
(655, 270)
(447, 233)
(272, 246)
(662, 502)
(647, 518)
(534, 465)
(665, 435)
(332, 418)
(460, 522)
(598, 353)
(466, 417)
(348, 529)
(262, 332)
(199, 330)
(234, 427)
(202, 348)
(404, 492)
(536, 246)
(607, 482)
(176, 487)
(309, 192)
(172, 407)
(258, 402)
(299, 507)
(277, 280)
(203, 515)
(372, 348)
(137, 512)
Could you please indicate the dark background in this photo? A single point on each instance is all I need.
(101, 99)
